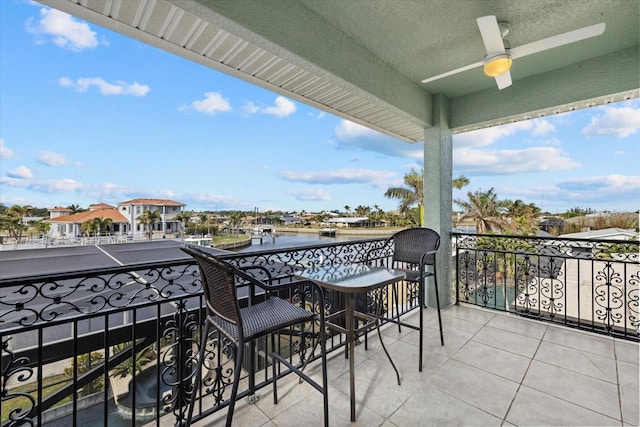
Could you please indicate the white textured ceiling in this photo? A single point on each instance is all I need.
(364, 59)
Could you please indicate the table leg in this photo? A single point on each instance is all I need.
(350, 324)
(378, 314)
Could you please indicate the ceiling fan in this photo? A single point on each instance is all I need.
(498, 59)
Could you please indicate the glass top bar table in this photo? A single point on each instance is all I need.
(351, 280)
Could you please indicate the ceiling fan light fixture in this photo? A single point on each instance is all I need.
(497, 65)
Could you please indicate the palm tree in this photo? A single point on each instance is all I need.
(88, 227)
(413, 192)
(485, 209)
(42, 227)
(100, 224)
(148, 218)
(410, 195)
(75, 209)
(11, 221)
(459, 182)
(523, 216)
(347, 208)
(184, 218)
(129, 365)
(235, 218)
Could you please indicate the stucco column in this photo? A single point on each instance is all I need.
(438, 194)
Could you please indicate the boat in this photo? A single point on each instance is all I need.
(263, 231)
(199, 241)
(328, 231)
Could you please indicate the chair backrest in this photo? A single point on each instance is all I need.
(409, 245)
(218, 283)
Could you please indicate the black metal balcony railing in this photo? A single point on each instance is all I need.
(117, 346)
(587, 284)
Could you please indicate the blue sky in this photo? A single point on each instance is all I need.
(89, 116)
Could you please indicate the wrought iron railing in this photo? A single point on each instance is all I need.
(587, 284)
(119, 344)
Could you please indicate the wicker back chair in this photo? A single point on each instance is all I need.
(242, 325)
(414, 249)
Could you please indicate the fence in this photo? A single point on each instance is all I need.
(586, 284)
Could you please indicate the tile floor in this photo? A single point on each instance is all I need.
(495, 369)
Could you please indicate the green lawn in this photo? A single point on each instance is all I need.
(49, 386)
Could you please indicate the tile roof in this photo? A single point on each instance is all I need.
(85, 216)
(101, 206)
(152, 202)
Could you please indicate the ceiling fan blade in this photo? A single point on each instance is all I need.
(558, 40)
(503, 80)
(490, 32)
(452, 72)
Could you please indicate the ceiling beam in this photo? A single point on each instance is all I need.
(608, 78)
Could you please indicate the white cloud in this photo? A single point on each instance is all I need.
(21, 172)
(542, 127)
(249, 108)
(500, 162)
(51, 158)
(212, 103)
(614, 182)
(488, 136)
(349, 130)
(5, 152)
(46, 186)
(283, 108)
(63, 30)
(350, 136)
(105, 88)
(309, 195)
(618, 121)
(57, 185)
(598, 192)
(341, 176)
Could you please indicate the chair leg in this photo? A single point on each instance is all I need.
(274, 371)
(198, 373)
(435, 282)
(421, 290)
(325, 381)
(236, 380)
(395, 296)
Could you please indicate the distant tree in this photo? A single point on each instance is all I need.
(363, 210)
(347, 209)
(41, 227)
(130, 365)
(12, 221)
(577, 211)
(148, 218)
(75, 209)
(235, 219)
(485, 209)
(460, 181)
(412, 194)
(88, 227)
(84, 363)
(102, 224)
(40, 212)
(184, 217)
